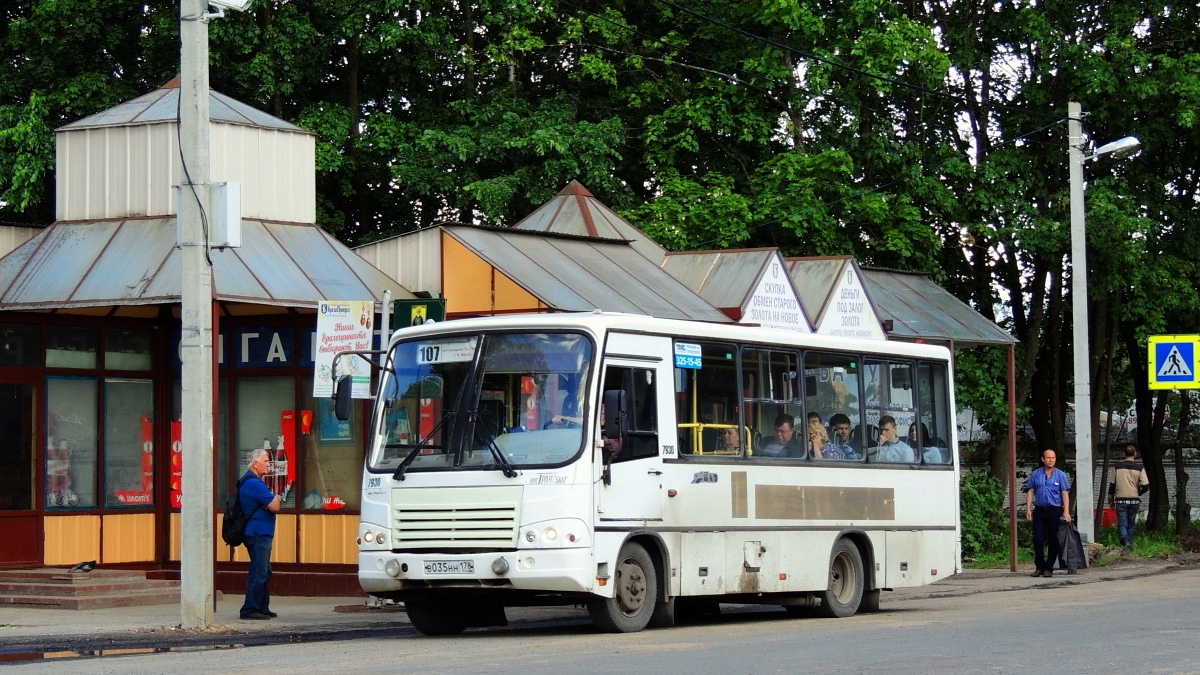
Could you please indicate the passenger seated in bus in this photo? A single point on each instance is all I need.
(892, 449)
(930, 447)
(841, 436)
(815, 417)
(784, 443)
(819, 444)
(918, 433)
(731, 441)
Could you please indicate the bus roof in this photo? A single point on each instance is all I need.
(601, 322)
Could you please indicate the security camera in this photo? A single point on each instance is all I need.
(235, 5)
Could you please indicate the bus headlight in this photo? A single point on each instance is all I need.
(559, 533)
(372, 537)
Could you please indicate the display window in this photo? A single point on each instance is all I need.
(259, 423)
(128, 443)
(18, 419)
(71, 442)
(331, 453)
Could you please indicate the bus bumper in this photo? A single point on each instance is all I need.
(538, 570)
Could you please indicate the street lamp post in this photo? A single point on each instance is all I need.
(1079, 323)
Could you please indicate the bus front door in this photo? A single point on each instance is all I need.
(631, 485)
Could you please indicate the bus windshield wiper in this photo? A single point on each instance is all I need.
(506, 466)
(412, 455)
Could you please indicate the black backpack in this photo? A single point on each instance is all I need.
(233, 527)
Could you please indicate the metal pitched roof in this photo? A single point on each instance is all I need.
(161, 106)
(576, 212)
(584, 273)
(135, 262)
(815, 279)
(921, 309)
(724, 278)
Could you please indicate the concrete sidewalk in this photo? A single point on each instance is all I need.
(26, 630)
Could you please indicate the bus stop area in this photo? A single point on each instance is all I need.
(50, 633)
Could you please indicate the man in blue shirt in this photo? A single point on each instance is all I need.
(891, 448)
(1047, 499)
(260, 504)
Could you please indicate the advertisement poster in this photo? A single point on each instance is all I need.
(343, 325)
(176, 482)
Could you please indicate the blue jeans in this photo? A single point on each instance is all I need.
(258, 596)
(1126, 517)
(1045, 535)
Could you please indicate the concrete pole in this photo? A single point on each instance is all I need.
(195, 345)
(1084, 502)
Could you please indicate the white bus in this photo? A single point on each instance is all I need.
(642, 466)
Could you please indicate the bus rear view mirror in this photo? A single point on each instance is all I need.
(341, 398)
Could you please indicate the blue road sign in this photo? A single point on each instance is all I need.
(1173, 361)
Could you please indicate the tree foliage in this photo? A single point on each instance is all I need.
(921, 136)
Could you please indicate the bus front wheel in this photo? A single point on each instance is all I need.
(635, 590)
(846, 578)
(432, 618)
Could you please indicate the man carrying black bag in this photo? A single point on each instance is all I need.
(1070, 547)
(1047, 499)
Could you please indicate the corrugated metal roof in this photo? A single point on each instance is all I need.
(579, 274)
(724, 278)
(576, 212)
(135, 262)
(920, 308)
(162, 106)
(814, 279)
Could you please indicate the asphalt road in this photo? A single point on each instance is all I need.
(1141, 625)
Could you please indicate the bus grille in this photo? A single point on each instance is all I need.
(478, 518)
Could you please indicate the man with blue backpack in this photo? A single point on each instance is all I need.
(260, 504)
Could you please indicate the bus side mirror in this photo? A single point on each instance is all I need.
(341, 398)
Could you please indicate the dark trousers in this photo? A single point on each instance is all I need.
(258, 596)
(1045, 534)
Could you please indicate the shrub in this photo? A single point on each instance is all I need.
(984, 524)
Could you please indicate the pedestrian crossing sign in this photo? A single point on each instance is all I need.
(1173, 361)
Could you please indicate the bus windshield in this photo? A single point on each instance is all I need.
(483, 401)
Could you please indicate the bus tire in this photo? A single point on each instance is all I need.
(845, 591)
(870, 601)
(635, 592)
(431, 618)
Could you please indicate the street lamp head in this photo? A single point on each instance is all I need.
(235, 5)
(1119, 149)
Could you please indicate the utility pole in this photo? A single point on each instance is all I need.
(195, 344)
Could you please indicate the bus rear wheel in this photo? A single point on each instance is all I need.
(635, 590)
(846, 579)
(432, 618)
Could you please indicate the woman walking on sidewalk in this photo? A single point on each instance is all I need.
(1047, 499)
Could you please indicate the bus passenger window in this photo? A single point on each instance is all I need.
(706, 395)
(831, 385)
(933, 396)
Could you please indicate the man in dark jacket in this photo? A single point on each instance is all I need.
(1125, 493)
